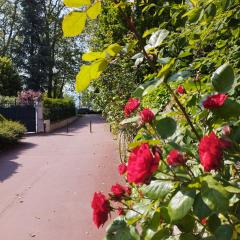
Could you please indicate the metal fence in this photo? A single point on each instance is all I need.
(25, 114)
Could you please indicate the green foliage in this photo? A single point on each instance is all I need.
(10, 132)
(10, 82)
(58, 109)
(7, 101)
(194, 44)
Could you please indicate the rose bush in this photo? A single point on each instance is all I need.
(183, 164)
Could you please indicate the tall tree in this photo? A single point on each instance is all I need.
(34, 51)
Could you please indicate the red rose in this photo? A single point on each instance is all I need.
(101, 209)
(120, 211)
(211, 151)
(146, 115)
(175, 158)
(215, 101)
(118, 190)
(141, 164)
(132, 104)
(181, 89)
(122, 168)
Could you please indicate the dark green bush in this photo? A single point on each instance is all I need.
(7, 101)
(57, 109)
(10, 132)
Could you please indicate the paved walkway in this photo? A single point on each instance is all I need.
(47, 183)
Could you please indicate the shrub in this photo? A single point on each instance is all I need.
(10, 131)
(57, 109)
(7, 101)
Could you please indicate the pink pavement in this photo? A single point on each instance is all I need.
(47, 182)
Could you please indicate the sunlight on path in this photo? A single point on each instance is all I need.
(47, 183)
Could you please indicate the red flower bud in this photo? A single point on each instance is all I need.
(122, 168)
(118, 190)
(175, 158)
(120, 211)
(146, 115)
(181, 89)
(204, 221)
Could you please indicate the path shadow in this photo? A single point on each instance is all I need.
(8, 165)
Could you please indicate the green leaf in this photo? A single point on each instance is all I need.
(165, 127)
(223, 78)
(92, 56)
(224, 232)
(150, 86)
(180, 204)
(166, 69)
(179, 76)
(233, 189)
(213, 223)
(158, 235)
(187, 236)
(88, 73)
(74, 23)
(158, 37)
(83, 78)
(200, 209)
(214, 194)
(94, 10)
(193, 15)
(149, 31)
(228, 110)
(97, 68)
(186, 224)
(119, 230)
(77, 3)
(133, 216)
(211, 10)
(157, 189)
(130, 120)
(113, 49)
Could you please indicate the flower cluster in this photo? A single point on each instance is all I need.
(29, 97)
(101, 204)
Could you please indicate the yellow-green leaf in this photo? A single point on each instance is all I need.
(97, 68)
(94, 10)
(92, 56)
(77, 3)
(113, 49)
(74, 23)
(83, 78)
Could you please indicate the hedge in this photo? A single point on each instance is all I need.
(57, 109)
(10, 131)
